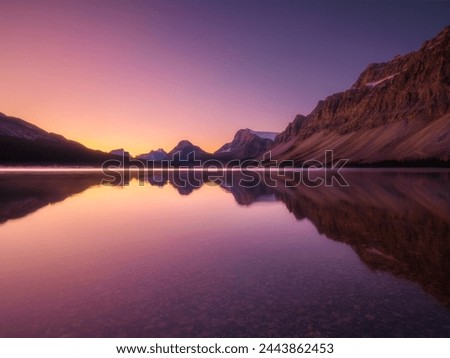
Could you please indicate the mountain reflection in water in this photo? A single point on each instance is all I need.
(396, 222)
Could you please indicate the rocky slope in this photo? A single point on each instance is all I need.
(398, 110)
(246, 144)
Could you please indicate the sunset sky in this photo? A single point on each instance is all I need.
(146, 74)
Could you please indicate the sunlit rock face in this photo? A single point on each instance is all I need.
(398, 110)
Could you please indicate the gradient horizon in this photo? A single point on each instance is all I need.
(146, 74)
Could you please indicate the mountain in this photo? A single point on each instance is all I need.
(185, 151)
(22, 143)
(154, 155)
(246, 144)
(21, 195)
(120, 153)
(395, 111)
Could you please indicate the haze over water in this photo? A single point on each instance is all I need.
(167, 260)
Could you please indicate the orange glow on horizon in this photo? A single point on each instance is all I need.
(143, 75)
(112, 80)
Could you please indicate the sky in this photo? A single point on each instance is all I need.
(143, 75)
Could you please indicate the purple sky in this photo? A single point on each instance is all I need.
(146, 74)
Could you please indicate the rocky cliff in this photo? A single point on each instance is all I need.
(398, 110)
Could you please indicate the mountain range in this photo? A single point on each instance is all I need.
(419, 252)
(396, 112)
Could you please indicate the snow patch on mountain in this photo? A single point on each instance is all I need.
(376, 83)
(265, 135)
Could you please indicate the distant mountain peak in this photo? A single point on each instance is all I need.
(246, 143)
(120, 152)
(184, 143)
(186, 150)
(154, 155)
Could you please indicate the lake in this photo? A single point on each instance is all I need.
(163, 256)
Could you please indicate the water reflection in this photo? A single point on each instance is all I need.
(22, 194)
(399, 223)
(396, 222)
(261, 275)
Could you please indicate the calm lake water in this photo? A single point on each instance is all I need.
(161, 258)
